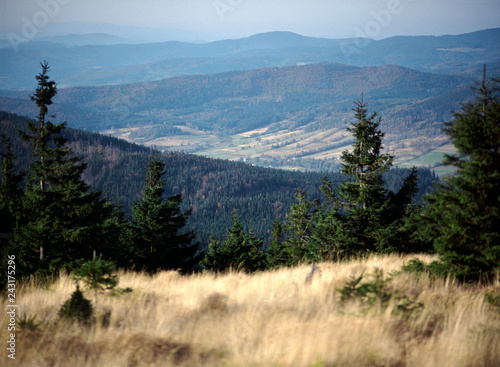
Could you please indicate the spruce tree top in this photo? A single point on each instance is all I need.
(366, 163)
(45, 91)
(366, 158)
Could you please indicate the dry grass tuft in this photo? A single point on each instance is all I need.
(267, 319)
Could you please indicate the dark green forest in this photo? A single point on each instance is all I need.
(213, 188)
(66, 194)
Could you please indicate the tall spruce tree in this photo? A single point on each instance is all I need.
(462, 215)
(60, 221)
(361, 215)
(364, 195)
(158, 241)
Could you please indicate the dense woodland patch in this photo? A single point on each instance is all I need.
(213, 188)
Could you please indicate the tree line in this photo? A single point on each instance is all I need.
(55, 222)
(459, 220)
(212, 188)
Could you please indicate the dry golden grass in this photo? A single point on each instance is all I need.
(266, 319)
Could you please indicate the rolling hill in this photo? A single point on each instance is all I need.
(89, 65)
(272, 99)
(278, 116)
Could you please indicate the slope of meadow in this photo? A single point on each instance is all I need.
(266, 319)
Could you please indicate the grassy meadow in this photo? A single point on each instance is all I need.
(272, 318)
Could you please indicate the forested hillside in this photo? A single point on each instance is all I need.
(265, 115)
(236, 102)
(213, 188)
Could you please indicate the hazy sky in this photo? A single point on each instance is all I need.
(238, 18)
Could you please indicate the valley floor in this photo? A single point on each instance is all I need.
(271, 318)
(285, 146)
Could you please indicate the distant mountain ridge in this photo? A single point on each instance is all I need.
(136, 34)
(87, 39)
(106, 64)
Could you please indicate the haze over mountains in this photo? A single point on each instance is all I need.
(100, 33)
(271, 96)
(89, 65)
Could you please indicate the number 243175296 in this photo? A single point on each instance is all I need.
(11, 278)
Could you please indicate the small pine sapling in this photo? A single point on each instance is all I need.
(98, 275)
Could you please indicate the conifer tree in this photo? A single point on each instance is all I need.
(238, 251)
(157, 239)
(462, 215)
(363, 195)
(10, 191)
(331, 238)
(361, 215)
(60, 221)
(275, 254)
(299, 228)
(116, 235)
